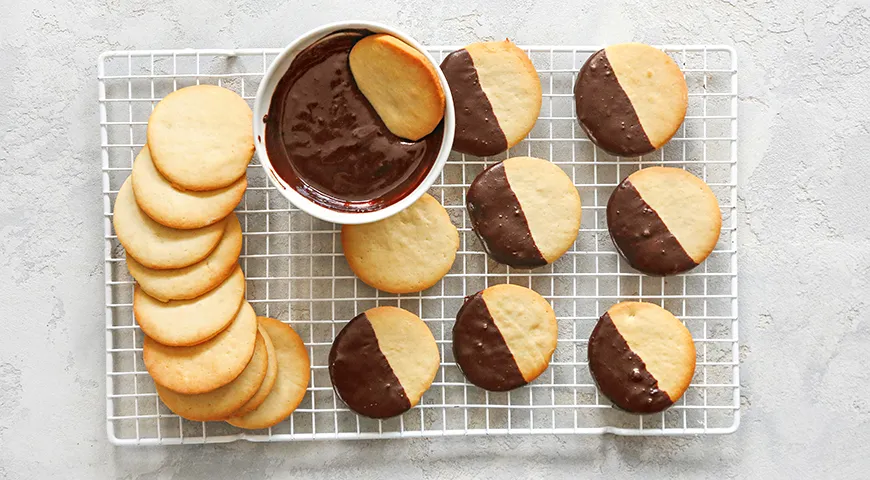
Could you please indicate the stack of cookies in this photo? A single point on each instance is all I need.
(209, 354)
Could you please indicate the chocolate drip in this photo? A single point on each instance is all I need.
(326, 140)
(480, 350)
(498, 220)
(477, 130)
(641, 236)
(605, 112)
(620, 373)
(361, 375)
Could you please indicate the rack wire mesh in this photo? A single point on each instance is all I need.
(296, 271)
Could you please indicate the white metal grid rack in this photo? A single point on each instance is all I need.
(296, 272)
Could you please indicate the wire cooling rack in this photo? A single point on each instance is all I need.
(296, 272)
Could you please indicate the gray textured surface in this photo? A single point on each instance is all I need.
(805, 261)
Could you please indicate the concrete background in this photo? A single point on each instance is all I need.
(805, 259)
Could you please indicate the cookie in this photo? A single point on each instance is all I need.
(641, 357)
(176, 208)
(220, 403)
(408, 252)
(497, 96)
(201, 138)
(197, 279)
(631, 98)
(383, 361)
(294, 369)
(526, 211)
(182, 323)
(504, 337)
(157, 246)
(400, 83)
(663, 220)
(269, 379)
(207, 366)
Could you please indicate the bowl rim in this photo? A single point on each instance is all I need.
(276, 71)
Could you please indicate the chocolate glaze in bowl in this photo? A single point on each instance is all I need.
(326, 141)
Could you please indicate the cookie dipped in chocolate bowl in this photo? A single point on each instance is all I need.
(328, 143)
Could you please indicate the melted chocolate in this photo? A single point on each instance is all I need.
(480, 350)
(621, 374)
(361, 375)
(605, 112)
(327, 141)
(641, 236)
(477, 129)
(498, 220)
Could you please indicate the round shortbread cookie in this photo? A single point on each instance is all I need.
(641, 357)
(268, 381)
(383, 361)
(497, 95)
(181, 323)
(400, 83)
(157, 246)
(526, 211)
(631, 98)
(504, 337)
(664, 220)
(176, 208)
(201, 138)
(220, 403)
(294, 370)
(197, 279)
(209, 365)
(408, 252)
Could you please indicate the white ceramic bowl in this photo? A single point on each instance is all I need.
(264, 98)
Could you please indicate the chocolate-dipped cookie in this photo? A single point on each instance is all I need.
(641, 357)
(526, 211)
(631, 98)
(497, 96)
(663, 220)
(383, 361)
(504, 337)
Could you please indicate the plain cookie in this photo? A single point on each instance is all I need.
(209, 365)
(504, 337)
(400, 83)
(407, 252)
(182, 323)
(197, 279)
(220, 403)
(176, 208)
(294, 370)
(641, 357)
(663, 220)
(201, 137)
(268, 381)
(497, 96)
(631, 98)
(157, 246)
(383, 361)
(526, 211)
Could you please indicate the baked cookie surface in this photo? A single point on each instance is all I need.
(268, 380)
(641, 357)
(497, 96)
(400, 83)
(177, 208)
(504, 337)
(383, 361)
(194, 280)
(664, 220)
(526, 211)
(407, 252)
(630, 98)
(157, 246)
(201, 137)
(291, 382)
